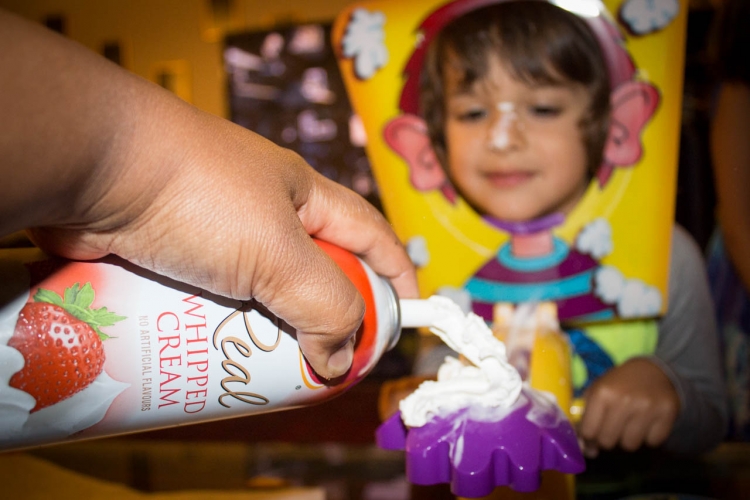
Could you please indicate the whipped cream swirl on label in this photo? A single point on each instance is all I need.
(483, 377)
(19, 426)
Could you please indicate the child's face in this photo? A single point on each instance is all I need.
(515, 151)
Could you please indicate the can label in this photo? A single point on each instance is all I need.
(93, 349)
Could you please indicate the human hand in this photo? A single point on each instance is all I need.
(206, 202)
(631, 405)
(104, 162)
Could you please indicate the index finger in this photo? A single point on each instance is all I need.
(337, 215)
(593, 418)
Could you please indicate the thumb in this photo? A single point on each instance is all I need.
(313, 294)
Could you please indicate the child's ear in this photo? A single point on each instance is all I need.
(407, 135)
(633, 104)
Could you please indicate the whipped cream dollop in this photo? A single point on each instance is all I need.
(15, 404)
(18, 425)
(483, 377)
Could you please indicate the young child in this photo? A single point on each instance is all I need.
(516, 100)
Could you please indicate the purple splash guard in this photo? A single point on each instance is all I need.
(477, 449)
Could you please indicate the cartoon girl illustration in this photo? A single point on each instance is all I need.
(533, 255)
(522, 123)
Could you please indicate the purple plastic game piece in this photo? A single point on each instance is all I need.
(478, 449)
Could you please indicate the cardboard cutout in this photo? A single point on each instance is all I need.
(609, 257)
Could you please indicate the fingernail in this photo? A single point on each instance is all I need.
(341, 360)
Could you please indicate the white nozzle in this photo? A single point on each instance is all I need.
(417, 313)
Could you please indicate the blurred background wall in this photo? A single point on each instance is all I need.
(175, 43)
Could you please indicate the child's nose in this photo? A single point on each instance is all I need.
(506, 132)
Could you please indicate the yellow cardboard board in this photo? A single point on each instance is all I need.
(619, 233)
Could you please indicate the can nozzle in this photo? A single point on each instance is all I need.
(417, 313)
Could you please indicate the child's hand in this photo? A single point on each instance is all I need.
(631, 405)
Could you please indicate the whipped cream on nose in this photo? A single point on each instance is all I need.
(484, 377)
(500, 133)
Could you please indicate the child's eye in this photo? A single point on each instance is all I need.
(471, 115)
(542, 111)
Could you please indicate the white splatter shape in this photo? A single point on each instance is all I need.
(647, 16)
(364, 42)
(639, 300)
(634, 298)
(416, 247)
(608, 284)
(596, 239)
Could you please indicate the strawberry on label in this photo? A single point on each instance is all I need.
(60, 339)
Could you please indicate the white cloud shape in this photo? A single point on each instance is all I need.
(15, 404)
(639, 300)
(647, 16)
(71, 415)
(416, 247)
(608, 284)
(363, 42)
(634, 298)
(596, 239)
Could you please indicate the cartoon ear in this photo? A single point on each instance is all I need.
(633, 104)
(407, 136)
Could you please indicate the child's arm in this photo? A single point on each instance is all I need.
(632, 405)
(689, 350)
(675, 398)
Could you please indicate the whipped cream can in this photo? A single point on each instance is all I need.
(92, 349)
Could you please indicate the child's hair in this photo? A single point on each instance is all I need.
(539, 43)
